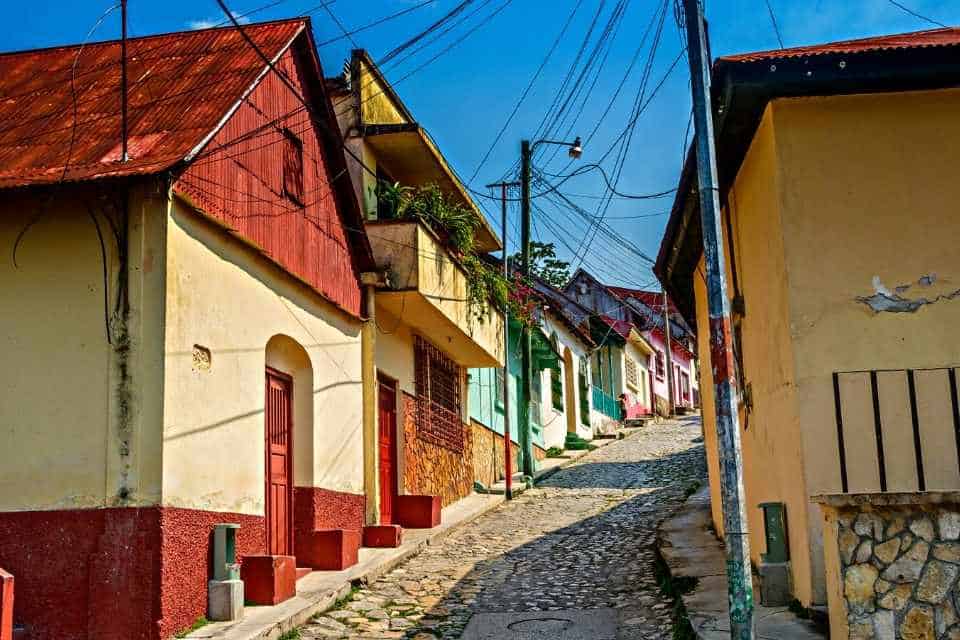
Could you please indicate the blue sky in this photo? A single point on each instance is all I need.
(464, 97)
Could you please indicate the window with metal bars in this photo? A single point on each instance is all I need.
(498, 388)
(556, 389)
(661, 365)
(633, 379)
(584, 393)
(292, 167)
(438, 397)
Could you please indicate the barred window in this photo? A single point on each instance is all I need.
(438, 397)
(556, 389)
(499, 388)
(661, 365)
(631, 371)
(584, 391)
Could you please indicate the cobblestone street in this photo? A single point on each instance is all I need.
(580, 540)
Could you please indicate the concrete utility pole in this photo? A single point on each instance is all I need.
(666, 331)
(507, 454)
(526, 438)
(526, 154)
(740, 585)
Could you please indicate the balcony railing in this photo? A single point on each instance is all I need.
(606, 404)
(897, 430)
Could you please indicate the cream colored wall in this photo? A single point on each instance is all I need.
(867, 192)
(225, 297)
(74, 436)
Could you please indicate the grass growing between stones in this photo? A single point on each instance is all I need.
(293, 634)
(675, 588)
(197, 624)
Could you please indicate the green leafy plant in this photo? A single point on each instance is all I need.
(197, 624)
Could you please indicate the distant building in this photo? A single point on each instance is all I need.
(642, 311)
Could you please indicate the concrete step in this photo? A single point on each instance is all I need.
(302, 571)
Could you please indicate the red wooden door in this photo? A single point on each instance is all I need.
(279, 447)
(388, 450)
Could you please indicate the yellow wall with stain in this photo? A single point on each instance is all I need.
(67, 443)
(224, 296)
(834, 193)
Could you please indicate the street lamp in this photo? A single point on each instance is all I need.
(575, 150)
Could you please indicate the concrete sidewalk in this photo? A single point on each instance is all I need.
(318, 591)
(691, 550)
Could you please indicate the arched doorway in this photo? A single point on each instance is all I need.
(288, 436)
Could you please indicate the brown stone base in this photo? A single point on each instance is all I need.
(433, 470)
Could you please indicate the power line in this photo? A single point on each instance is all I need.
(773, 21)
(917, 15)
(377, 22)
(343, 29)
(526, 91)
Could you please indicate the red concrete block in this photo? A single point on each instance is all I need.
(268, 580)
(6, 605)
(386, 535)
(329, 549)
(417, 512)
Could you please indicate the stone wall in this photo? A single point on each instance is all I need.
(899, 567)
(430, 469)
(488, 455)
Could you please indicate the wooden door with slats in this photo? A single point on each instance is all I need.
(388, 450)
(278, 422)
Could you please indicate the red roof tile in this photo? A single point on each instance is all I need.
(918, 39)
(181, 86)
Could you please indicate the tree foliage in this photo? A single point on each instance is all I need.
(544, 264)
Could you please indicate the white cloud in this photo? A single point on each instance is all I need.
(208, 23)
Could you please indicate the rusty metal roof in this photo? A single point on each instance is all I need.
(181, 87)
(917, 39)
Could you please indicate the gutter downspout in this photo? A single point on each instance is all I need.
(368, 375)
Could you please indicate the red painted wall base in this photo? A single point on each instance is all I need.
(417, 512)
(71, 566)
(268, 580)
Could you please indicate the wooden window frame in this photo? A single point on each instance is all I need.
(292, 160)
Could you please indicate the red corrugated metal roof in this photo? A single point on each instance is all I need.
(918, 39)
(181, 85)
(652, 299)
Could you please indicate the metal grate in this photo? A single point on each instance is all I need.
(438, 397)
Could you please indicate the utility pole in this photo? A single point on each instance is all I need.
(737, 543)
(526, 439)
(507, 455)
(575, 150)
(124, 156)
(666, 330)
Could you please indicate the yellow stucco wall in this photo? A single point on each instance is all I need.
(225, 297)
(67, 442)
(835, 196)
(866, 193)
(772, 446)
(375, 104)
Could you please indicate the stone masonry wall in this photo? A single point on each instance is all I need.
(899, 567)
(433, 470)
(488, 455)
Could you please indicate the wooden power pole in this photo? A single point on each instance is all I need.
(737, 543)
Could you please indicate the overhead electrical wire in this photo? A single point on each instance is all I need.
(773, 21)
(526, 91)
(919, 16)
